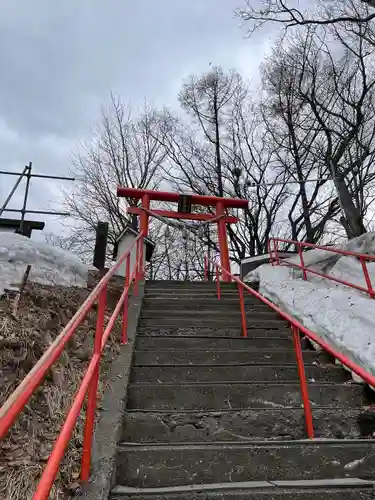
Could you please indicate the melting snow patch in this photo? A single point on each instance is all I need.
(49, 265)
(341, 316)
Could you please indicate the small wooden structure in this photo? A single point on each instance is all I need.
(124, 242)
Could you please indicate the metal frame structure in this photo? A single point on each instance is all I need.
(27, 173)
(273, 249)
(221, 218)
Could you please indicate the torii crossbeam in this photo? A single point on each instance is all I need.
(185, 202)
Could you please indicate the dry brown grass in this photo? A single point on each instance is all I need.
(43, 312)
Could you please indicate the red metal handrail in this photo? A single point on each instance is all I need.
(275, 260)
(298, 328)
(19, 398)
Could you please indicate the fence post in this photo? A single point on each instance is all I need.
(141, 257)
(124, 336)
(137, 271)
(303, 383)
(243, 313)
(205, 268)
(218, 282)
(299, 246)
(93, 389)
(367, 278)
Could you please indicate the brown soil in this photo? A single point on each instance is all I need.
(43, 312)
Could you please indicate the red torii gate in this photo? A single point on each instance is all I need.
(185, 202)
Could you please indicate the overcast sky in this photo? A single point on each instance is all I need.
(59, 60)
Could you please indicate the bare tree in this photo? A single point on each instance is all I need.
(223, 152)
(294, 131)
(123, 152)
(333, 79)
(289, 14)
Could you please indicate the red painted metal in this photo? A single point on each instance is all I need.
(141, 258)
(137, 271)
(223, 242)
(243, 312)
(303, 382)
(19, 398)
(205, 267)
(362, 258)
(124, 334)
(93, 389)
(144, 215)
(221, 205)
(218, 291)
(207, 201)
(367, 278)
(52, 467)
(229, 219)
(363, 374)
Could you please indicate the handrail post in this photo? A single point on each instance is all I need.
(218, 282)
(205, 268)
(141, 257)
(367, 278)
(242, 307)
(124, 336)
(93, 389)
(303, 382)
(137, 271)
(299, 246)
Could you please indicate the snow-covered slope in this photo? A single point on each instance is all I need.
(49, 265)
(342, 316)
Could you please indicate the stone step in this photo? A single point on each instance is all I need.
(193, 289)
(211, 332)
(187, 284)
(180, 294)
(209, 314)
(235, 373)
(166, 465)
(240, 396)
(199, 321)
(202, 305)
(356, 489)
(223, 357)
(213, 342)
(272, 424)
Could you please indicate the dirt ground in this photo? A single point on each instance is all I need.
(43, 311)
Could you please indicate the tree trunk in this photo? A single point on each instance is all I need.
(354, 225)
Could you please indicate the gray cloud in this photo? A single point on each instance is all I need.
(60, 60)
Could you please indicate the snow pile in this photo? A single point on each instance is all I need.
(342, 316)
(49, 265)
(339, 266)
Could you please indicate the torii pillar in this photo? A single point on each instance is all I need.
(185, 202)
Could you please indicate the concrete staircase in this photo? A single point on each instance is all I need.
(213, 415)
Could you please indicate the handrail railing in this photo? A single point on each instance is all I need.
(89, 385)
(296, 328)
(273, 249)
